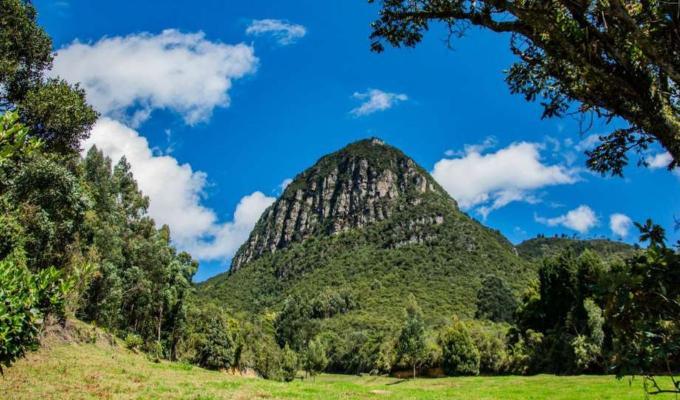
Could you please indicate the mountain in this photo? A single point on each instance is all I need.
(541, 247)
(364, 227)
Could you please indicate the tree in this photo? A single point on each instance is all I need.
(411, 345)
(315, 359)
(294, 325)
(217, 345)
(643, 311)
(495, 300)
(459, 354)
(616, 58)
(289, 364)
(53, 110)
(566, 312)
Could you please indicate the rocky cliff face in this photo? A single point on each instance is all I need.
(363, 183)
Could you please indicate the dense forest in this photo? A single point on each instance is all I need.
(76, 241)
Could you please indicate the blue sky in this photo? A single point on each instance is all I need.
(214, 116)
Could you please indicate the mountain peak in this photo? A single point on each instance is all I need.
(363, 183)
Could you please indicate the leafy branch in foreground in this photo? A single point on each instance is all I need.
(617, 58)
(644, 312)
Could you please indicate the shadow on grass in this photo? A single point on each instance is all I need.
(398, 381)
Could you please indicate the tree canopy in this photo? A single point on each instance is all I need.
(614, 58)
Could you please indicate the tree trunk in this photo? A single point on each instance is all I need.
(160, 321)
(414, 371)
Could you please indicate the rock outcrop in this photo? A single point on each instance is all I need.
(363, 183)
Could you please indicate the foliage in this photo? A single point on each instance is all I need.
(133, 342)
(411, 345)
(14, 139)
(315, 360)
(495, 300)
(643, 308)
(294, 326)
(491, 342)
(615, 58)
(26, 300)
(53, 110)
(133, 257)
(541, 247)
(564, 309)
(217, 346)
(460, 356)
(588, 348)
(64, 370)
(289, 364)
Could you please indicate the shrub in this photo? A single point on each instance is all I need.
(26, 299)
(459, 354)
(491, 341)
(217, 345)
(289, 364)
(315, 359)
(134, 342)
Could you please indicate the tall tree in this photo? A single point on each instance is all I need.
(411, 345)
(616, 58)
(495, 300)
(53, 110)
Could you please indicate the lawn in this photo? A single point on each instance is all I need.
(85, 371)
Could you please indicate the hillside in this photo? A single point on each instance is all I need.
(540, 247)
(368, 225)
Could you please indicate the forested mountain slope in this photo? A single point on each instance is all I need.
(541, 247)
(355, 234)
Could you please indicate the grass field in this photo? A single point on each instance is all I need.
(63, 370)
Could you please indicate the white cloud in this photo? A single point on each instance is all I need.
(227, 237)
(127, 77)
(588, 143)
(580, 219)
(376, 100)
(284, 32)
(661, 160)
(491, 181)
(620, 224)
(175, 191)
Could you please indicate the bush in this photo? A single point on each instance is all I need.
(315, 359)
(289, 364)
(154, 351)
(26, 299)
(217, 345)
(134, 342)
(459, 353)
(491, 341)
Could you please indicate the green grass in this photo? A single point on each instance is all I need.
(87, 371)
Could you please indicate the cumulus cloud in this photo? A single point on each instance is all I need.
(490, 181)
(662, 160)
(375, 100)
(175, 191)
(620, 224)
(127, 77)
(580, 219)
(226, 238)
(282, 31)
